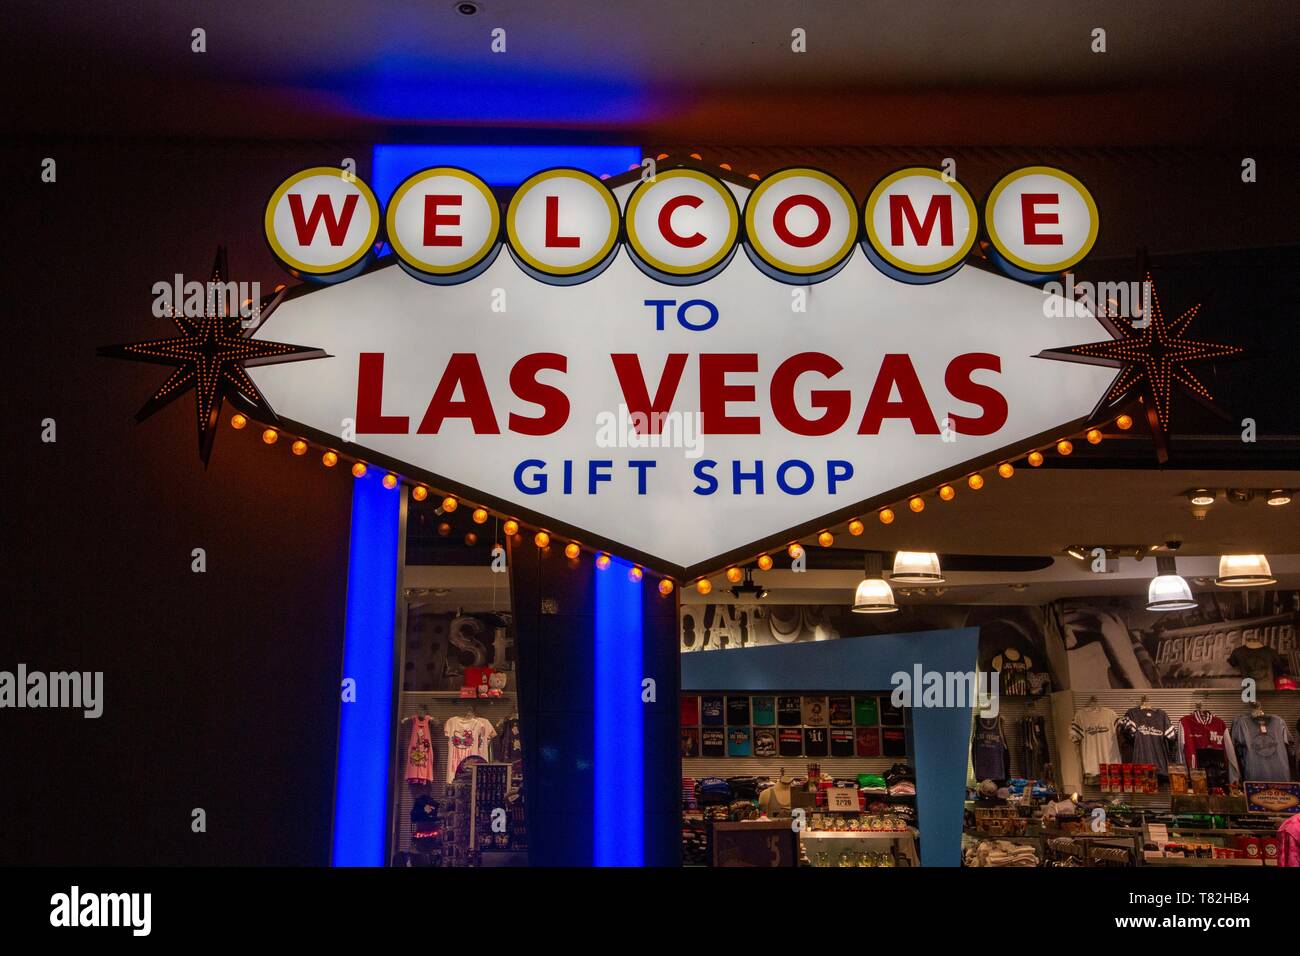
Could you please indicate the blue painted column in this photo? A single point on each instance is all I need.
(619, 805)
(361, 778)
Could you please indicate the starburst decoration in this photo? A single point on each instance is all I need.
(1153, 356)
(211, 356)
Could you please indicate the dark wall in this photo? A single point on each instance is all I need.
(221, 688)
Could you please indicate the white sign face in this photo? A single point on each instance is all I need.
(542, 400)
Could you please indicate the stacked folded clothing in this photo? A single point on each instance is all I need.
(1001, 853)
(688, 793)
(904, 788)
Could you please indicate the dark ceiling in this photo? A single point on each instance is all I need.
(921, 72)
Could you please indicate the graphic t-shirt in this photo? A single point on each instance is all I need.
(738, 742)
(1262, 743)
(1260, 664)
(867, 740)
(690, 741)
(690, 710)
(1093, 729)
(737, 710)
(711, 710)
(713, 742)
(841, 742)
(890, 716)
(1152, 734)
(841, 712)
(866, 711)
(790, 742)
(764, 742)
(466, 736)
(814, 711)
(788, 711)
(764, 711)
(509, 745)
(989, 752)
(893, 742)
(814, 742)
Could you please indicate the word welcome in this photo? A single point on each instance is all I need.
(681, 226)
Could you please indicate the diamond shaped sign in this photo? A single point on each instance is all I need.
(683, 426)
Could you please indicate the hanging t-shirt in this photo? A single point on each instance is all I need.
(1152, 734)
(841, 742)
(790, 742)
(764, 742)
(713, 742)
(764, 711)
(737, 711)
(1262, 747)
(738, 742)
(690, 710)
(1261, 664)
(1093, 729)
(711, 711)
(814, 742)
(841, 711)
(690, 741)
(788, 711)
(814, 711)
(466, 736)
(509, 744)
(893, 742)
(890, 716)
(867, 740)
(866, 711)
(1033, 731)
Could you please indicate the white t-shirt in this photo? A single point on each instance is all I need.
(466, 736)
(1093, 728)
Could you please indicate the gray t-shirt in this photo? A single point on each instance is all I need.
(1262, 747)
(1152, 735)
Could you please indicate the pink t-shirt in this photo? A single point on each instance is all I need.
(466, 736)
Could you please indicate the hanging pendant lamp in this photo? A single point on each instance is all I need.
(916, 567)
(1168, 590)
(874, 595)
(1244, 571)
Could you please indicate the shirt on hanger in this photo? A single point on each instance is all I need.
(1260, 664)
(1093, 728)
(764, 711)
(1200, 730)
(466, 736)
(814, 711)
(1152, 734)
(1262, 747)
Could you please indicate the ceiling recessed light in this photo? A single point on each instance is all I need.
(1279, 496)
(1201, 497)
(467, 8)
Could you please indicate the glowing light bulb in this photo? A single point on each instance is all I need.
(947, 492)
(471, 538)
(826, 539)
(916, 503)
(703, 586)
(765, 562)
(1006, 470)
(975, 482)
(1035, 459)
(359, 470)
(856, 527)
(665, 587)
(511, 527)
(390, 481)
(571, 551)
(480, 515)
(541, 539)
(794, 550)
(270, 436)
(299, 447)
(449, 504)
(602, 561)
(1124, 422)
(735, 575)
(1064, 446)
(419, 492)
(238, 421)
(329, 459)
(1093, 436)
(635, 574)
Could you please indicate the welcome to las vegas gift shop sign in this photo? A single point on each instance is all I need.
(832, 355)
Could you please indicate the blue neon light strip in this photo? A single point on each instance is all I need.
(495, 165)
(361, 776)
(619, 817)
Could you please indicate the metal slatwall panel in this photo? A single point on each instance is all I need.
(442, 705)
(1178, 702)
(700, 767)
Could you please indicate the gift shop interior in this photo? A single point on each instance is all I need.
(1141, 657)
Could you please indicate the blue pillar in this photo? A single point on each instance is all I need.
(619, 807)
(361, 777)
